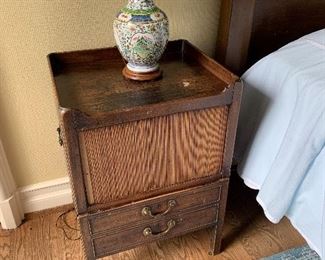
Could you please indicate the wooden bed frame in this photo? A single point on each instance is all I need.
(251, 29)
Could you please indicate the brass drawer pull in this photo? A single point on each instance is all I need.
(146, 211)
(170, 224)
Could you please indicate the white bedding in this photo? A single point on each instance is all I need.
(281, 136)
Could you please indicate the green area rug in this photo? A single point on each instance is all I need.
(301, 253)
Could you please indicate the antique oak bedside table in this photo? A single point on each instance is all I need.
(148, 161)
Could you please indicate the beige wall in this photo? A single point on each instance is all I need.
(29, 30)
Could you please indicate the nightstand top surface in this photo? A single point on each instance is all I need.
(92, 81)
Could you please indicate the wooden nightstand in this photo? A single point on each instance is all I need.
(148, 161)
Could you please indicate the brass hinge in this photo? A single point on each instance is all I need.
(60, 137)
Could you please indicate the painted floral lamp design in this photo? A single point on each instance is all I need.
(141, 32)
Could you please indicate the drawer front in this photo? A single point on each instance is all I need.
(154, 230)
(162, 206)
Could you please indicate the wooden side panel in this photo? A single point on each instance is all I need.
(72, 153)
(232, 128)
(135, 158)
(228, 156)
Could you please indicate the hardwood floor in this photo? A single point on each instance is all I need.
(247, 235)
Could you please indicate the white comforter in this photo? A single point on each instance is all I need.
(281, 136)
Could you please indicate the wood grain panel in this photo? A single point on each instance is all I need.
(161, 152)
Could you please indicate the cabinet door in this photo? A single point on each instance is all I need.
(137, 160)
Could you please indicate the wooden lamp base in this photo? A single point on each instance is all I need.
(141, 76)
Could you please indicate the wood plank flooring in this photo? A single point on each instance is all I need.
(247, 235)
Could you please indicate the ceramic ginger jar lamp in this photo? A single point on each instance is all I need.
(141, 34)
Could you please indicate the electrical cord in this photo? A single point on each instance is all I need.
(63, 218)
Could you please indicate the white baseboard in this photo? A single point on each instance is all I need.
(11, 214)
(45, 195)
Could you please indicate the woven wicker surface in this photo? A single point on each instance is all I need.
(134, 158)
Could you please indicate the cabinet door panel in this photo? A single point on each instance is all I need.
(137, 160)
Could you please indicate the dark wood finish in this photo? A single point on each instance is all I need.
(235, 28)
(86, 238)
(232, 129)
(110, 220)
(227, 163)
(215, 244)
(127, 141)
(72, 153)
(141, 76)
(86, 122)
(89, 82)
(122, 228)
(191, 183)
(251, 29)
(190, 83)
(185, 222)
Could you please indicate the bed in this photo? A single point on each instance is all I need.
(281, 133)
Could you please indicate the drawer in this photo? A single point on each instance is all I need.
(154, 230)
(158, 207)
